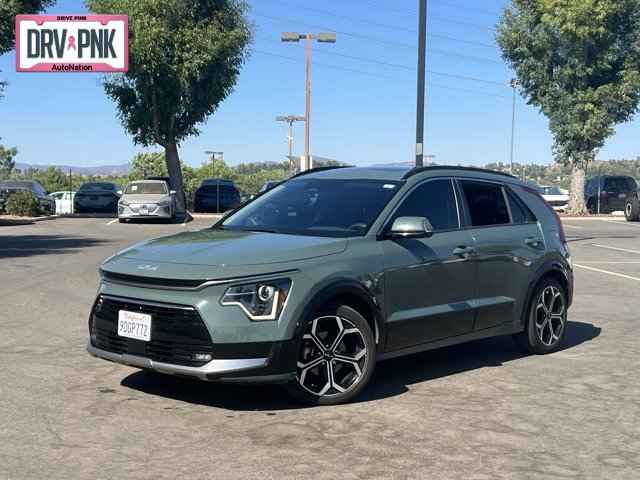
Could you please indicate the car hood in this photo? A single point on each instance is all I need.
(145, 198)
(225, 249)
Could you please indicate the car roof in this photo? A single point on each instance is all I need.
(401, 173)
(17, 183)
(148, 181)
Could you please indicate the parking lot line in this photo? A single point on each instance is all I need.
(606, 262)
(613, 274)
(620, 222)
(608, 247)
(567, 225)
(112, 221)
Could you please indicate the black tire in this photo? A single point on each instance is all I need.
(545, 327)
(632, 210)
(326, 366)
(122, 220)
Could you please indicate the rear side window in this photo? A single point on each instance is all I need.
(486, 202)
(520, 213)
(620, 184)
(434, 200)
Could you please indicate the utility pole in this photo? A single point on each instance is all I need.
(308, 38)
(213, 160)
(290, 119)
(514, 85)
(422, 67)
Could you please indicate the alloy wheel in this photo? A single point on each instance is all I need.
(629, 210)
(332, 357)
(550, 316)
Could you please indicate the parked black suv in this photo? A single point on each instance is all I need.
(99, 197)
(613, 191)
(632, 208)
(216, 195)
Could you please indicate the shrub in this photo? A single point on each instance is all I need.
(23, 204)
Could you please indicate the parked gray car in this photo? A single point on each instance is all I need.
(316, 280)
(147, 199)
(45, 201)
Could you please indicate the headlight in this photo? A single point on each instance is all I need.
(164, 203)
(261, 300)
(123, 203)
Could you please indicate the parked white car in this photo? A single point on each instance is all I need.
(556, 197)
(64, 202)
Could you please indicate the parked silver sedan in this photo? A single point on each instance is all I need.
(147, 199)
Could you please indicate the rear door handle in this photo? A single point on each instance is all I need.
(464, 252)
(533, 242)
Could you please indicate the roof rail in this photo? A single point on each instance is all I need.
(418, 170)
(319, 169)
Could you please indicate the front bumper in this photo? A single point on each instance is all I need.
(152, 211)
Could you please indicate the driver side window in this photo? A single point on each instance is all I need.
(434, 200)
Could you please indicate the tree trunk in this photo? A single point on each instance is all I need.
(576, 195)
(175, 176)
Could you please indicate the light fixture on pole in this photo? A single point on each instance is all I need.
(290, 119)
(422, 67)
(325, 37)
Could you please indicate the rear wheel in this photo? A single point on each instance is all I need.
(632, 210)
(336, 359)
(546, 321)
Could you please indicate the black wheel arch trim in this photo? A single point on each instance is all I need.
(549, 266)
(341, 287)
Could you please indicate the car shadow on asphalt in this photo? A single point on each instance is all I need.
(391, 378)
(21, 246)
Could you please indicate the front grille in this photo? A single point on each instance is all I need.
(150, 281)
(558, 203)
(177, 333)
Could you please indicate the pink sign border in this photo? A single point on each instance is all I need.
(96, 67)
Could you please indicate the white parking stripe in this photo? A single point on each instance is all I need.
(618, 249)
(112, 222)
(566, 225)
(620, 222)
(613, 274)
(605, 262)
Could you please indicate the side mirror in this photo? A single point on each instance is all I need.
(172, 192)
(410, 227)
(119, 192)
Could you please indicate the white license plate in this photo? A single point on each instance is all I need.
(134, 325)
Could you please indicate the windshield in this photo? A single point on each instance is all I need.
(550, 191)
(98, 186)
(144, 188)
(308, 206)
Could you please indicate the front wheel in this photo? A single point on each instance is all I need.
(632, 210)
(336, 359)
(546, 321)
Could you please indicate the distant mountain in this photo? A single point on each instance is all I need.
(115, 170)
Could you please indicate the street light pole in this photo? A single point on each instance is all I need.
(308, 38)
(422, 65)
(290, 119)
(514, 85)
(213, 172)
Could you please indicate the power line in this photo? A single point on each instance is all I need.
(368, 37)
(362, 72)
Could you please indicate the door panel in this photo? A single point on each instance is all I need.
(506, 258)
(429, 290)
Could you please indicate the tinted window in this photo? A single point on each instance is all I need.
(486, 203)
(143, 188)
(317, 207)
(519, 212)
(98, 186)
(434, 200)
(620, 184)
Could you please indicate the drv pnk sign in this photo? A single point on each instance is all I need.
(72, 43)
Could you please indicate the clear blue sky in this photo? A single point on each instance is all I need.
(364, 108)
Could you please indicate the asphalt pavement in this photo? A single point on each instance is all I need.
(475, 411)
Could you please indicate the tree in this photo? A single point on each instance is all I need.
(7, 163)
(148, 164)
(579, 63)
(8, 11)
(184, 60)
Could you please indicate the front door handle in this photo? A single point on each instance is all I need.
(464, 252)
(533, 242)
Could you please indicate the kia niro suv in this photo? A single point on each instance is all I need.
(314, 281)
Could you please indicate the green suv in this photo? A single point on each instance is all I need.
(314, 281)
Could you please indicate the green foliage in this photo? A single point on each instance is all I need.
(23, 204)
(579, 62)
(8, 11)
(7, 163)
(148, 165)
